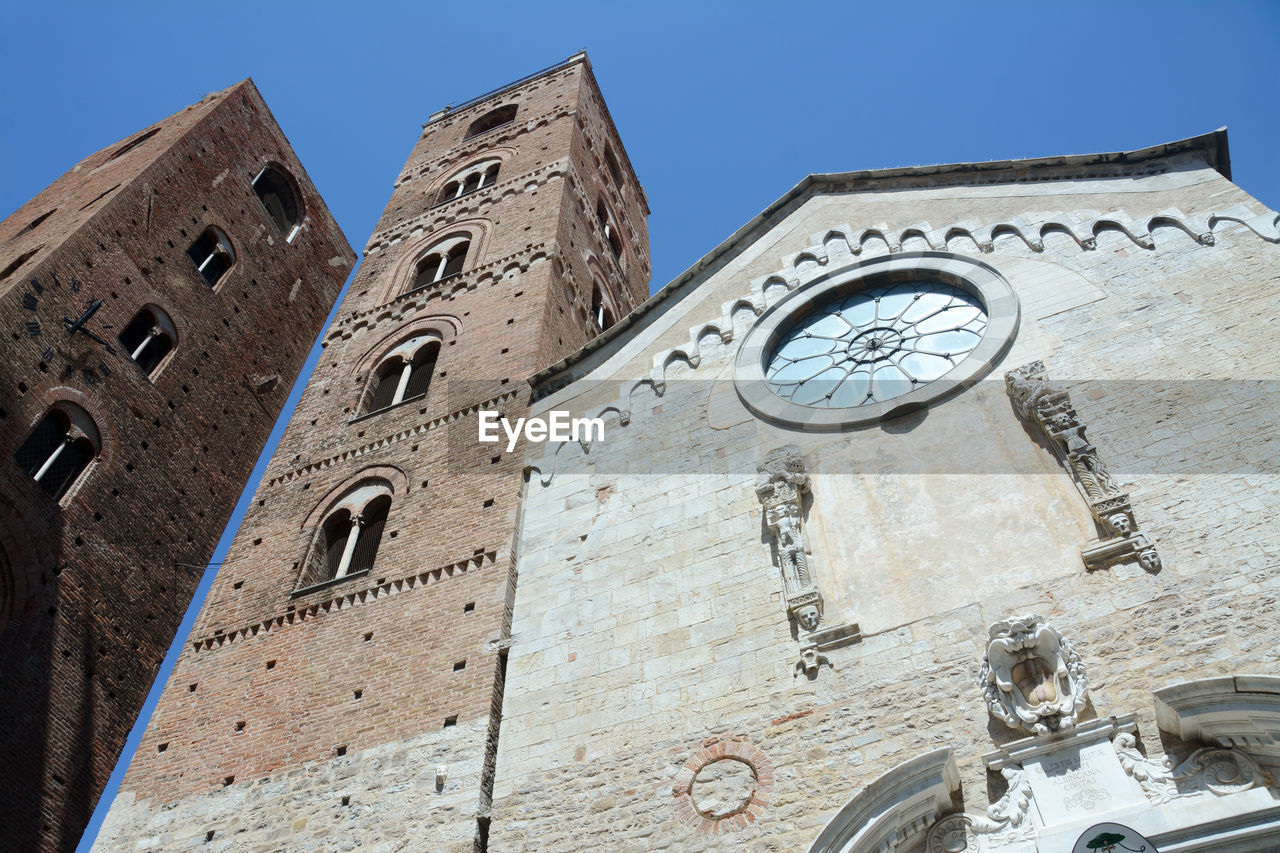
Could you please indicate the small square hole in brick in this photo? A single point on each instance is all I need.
(237, 585)
(342, 750)
(495, 460)
(228, 780)
(240, 726)
(162, 747)
(208, 836)
(469, 607)
(271, 664)
(191, 688)
(368, 636)
(346, 801)
(358, 693)
(506, 350)
(450, 721)
(460, 665)
(489, 502)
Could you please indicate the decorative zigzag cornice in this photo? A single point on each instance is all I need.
(440, 216)
(480, 143)
(417, 299)
(346, 600)
(394, 438)
(804, 265)
(807, 264)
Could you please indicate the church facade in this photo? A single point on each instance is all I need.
(932, 510)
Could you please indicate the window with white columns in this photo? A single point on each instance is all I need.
(475, 177)
(60, 448)
(149, 337)
(404, 373)
(602, 313)
(213, 254)
(443, 260)
(347, 542)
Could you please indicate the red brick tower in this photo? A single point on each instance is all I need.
(158, 302)
(346, 672)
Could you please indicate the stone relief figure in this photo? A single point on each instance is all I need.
(781, 483)
(1048, 411)
(784, 520)
(1031, 677)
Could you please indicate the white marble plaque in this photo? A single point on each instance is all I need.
(1079, 781)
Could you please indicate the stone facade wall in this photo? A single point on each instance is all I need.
(101, 577)
(276, 665)
(650, 634)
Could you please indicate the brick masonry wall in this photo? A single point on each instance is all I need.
(102, 577)
(649, 623)
(438, 594)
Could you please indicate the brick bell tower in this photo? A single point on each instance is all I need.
(159, 299)
(344, 679)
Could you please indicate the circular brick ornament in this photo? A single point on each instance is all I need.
(723, 786)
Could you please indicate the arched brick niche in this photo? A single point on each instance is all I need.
(723, 786)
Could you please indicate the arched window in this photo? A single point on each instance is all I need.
(403, 374)
(468, 181)
(212, 254)
(277, 195)
(60, 448)
(601, 312)
(444, 260)
(611, 162)
(348, 539)
(492, 119)
(607, 224)
(148, 338)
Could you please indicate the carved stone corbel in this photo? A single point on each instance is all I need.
(781, 484)
(1049, 411)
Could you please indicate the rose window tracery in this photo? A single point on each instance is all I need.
(875, 344)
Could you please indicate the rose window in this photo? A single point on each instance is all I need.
(875, 344)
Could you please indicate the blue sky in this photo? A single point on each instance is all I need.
(722, 106)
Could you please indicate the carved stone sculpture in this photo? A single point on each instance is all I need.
(1031, 677)
(1049, 411)
(1154, 777)
(1220, 772)
(781, 483)
(1211, 770)
(1006, 821)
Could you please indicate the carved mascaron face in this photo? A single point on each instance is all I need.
(1031, 676)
